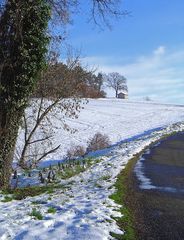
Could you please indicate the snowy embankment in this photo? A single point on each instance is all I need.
(83, 208)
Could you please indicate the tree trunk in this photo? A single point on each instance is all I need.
(9, 126)
(23, 48)
(116, 93)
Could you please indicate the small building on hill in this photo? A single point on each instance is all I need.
(122, 95)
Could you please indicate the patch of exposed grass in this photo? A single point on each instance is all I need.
(22, 193)
(98, 160)
(36, 214)
(51, 210)
(7, 199)
(71, 172)
(105, 177)
(97, 185)
(73, 168)
(35, 203)
(126, 222)
(68, 170)
(38, 202)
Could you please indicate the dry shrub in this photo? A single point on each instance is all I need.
(86, 91)
(75, 151)
(99, 141)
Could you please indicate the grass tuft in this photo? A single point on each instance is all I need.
(51, 210)
(36, 214)
(7, 199)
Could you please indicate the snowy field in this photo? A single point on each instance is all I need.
(119, 119)
(83, 208)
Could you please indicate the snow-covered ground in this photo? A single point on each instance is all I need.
(119, 119)
(83, 208)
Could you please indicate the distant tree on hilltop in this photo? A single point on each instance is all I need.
(117, 82)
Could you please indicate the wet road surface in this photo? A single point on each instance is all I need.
(159, 211)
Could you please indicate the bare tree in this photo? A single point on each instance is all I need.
(39, 127)
(117, 82)
(56, 102)
(76, 152)
(147, 98)
(97, 142)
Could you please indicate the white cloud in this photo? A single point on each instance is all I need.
(160, 50)
(159, 75)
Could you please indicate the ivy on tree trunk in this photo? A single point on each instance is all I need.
(23, 48)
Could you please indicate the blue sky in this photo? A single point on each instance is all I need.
(147, 47)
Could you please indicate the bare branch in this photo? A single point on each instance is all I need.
(40, 140)
(47, 153)
(40, 108)
(100, 11)
(103, 10)
(26, 128)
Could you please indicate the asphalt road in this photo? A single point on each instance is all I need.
(159, 212)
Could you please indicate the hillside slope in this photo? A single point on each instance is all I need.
(119, 119)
